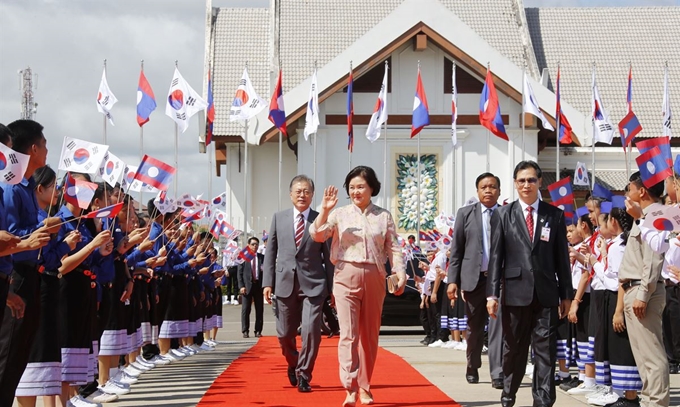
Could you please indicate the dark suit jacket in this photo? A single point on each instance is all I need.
(529, 268)
(245, 273)
(467, 250)
(310, 262)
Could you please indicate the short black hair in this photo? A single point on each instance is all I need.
(253, 238)
(368, 174)
(411, 237)
(5, 134)
(525, 165)
(25, 133)
(655, 191)
(487, 175)
(301, 178)
(151, 209)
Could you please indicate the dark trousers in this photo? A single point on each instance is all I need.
(254, 296)
(17, 335)
(478, 317)
(331, 318)
(535, 325)
(231, 287)
(4, 289)
(671, 324)
(425, 322)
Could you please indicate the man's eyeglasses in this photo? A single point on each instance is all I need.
(523, 181)
(302, 192)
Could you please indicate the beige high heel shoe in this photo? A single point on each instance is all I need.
(350, 400)
(366, 397)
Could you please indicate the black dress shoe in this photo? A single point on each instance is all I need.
(303, 385)
(497, 384)
(258, 334)
(472, 376)
(245, 335)
(507, 401)
(292, 377)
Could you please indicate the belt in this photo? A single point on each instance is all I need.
(630, 283)
(485, 273)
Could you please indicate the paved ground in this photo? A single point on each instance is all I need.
(182, 384)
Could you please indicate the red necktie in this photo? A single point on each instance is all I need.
(530, 223)
(299, 230)
(253, 267)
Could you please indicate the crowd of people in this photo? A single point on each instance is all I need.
(94, 301)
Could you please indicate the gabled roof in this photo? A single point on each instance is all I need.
(612, 38)
(410, 17)
(318, 31)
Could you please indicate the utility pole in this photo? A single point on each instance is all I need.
(28, 105)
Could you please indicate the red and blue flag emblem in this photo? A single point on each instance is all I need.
(146, 101)
(155, 173)
(561, 192)
(421, 113)
(653, 167)
(277, 111)
(209, 114)
(563, 126)
(490, 108)
(661, 142)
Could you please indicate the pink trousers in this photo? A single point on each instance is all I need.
(359, 291)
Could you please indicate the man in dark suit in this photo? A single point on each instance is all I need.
(299, 272)
(529, 257)
(250, 286)
(468, 271)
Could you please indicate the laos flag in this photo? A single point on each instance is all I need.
(561, 192)
(277, 112)
(421, 113)
(146, 102)
(653, 167)
(209, 114)
(490, 109)
(155, 173)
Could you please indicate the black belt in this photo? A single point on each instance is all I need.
(485, 273)
(630, 283)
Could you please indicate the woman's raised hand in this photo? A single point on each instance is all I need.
(330, 198)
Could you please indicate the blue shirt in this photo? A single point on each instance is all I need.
(54, 251)
(21, 208)
(5, 261)
(70, 225)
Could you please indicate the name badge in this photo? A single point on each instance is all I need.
(545, 234)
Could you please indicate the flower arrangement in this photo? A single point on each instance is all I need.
(407, 188)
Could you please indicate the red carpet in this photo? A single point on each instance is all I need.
(258, 378)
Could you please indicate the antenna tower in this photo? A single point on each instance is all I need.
(28, 106)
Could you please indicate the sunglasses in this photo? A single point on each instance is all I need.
(523, 181)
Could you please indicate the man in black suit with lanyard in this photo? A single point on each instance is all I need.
(250, 288)
(468, 272)
(529, 257)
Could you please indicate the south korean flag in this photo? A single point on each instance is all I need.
(111, 169)
(81, 156)
(12, 165)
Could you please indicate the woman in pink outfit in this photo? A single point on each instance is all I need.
(364, 238)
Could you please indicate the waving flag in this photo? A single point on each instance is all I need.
(81, 156)
(531, 105)
(312, 115)
(111, 169)
(379, 115)
(105, 98)
(155, 173)
(666, 106)
(490, 109)
(77, 192)
(146, 101)
(629, 126)
(246, 254)
(561, 192)
(653, 167)
(563, 126)
(604, 131)
(187, 201)
(601, 192)
(209, 114)
(581, 175)
(163, 203)
(13, 165)
(246, 103)
(661, 142)
(183, 102)
(454, 107)
(350, 111)
(421, 113)
(220, 201)
(108, 212)
(277, 112)
(130, 184)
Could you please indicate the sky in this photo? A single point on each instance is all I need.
(66, 41)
